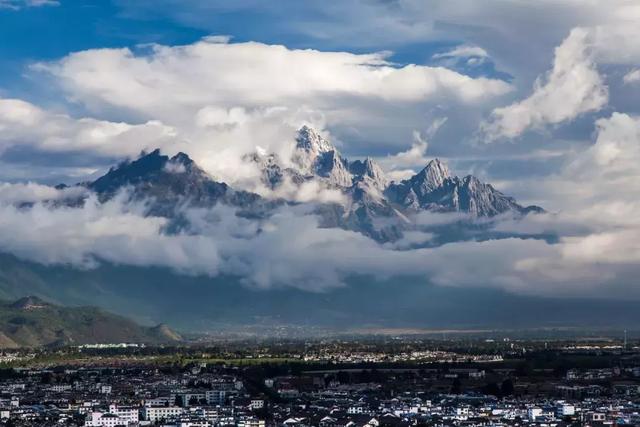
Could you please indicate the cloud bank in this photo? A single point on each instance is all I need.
(219, 100)
(597, 252)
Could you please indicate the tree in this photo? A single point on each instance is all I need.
(491, 389)
(507, 388)
(456, 387)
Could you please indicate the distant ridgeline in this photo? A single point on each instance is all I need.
(374, 205)
(32, 322)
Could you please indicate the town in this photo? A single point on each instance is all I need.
(376, 383)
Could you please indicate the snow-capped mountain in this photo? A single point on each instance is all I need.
(169, 183)
(433, 188)
(372, 204)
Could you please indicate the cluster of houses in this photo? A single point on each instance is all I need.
(207, 396)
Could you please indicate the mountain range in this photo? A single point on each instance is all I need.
(371, 203)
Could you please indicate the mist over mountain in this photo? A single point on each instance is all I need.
(390, 215)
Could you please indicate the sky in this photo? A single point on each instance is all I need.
(539, 98)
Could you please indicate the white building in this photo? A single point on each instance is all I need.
(102, 419)
(533, 413)
(257, 404)
(130, 414)
(155, 414)
(250, 422)
(565, 410)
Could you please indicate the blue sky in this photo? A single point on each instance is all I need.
(49, 32)
(52, 31)
(412, 32)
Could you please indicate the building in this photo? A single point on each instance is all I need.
(159, 413)
(130, 414)
(101, 419)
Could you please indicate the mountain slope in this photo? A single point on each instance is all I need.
(168, 183)
(373, 205)
(222, 304)
(372, 194)
(32, 322)
(435, 189)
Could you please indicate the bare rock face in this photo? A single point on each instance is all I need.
(369, 171)
(310, 148)
(316, 157)
(168, 183)
(372, 204)
(435, 189)
(375, 205)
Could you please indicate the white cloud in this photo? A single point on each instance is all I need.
(574, 86)
(173, 81)
(632, 77)
(218, 100)
(32, 192)
(19, 4)
(24, 124)
(96, 232)
(571, 88)
(463, 51)
(398, 164)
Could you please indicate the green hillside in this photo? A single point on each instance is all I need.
(33, 322)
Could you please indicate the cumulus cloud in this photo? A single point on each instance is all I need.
(574, 85)
(23, 124)
(172, 81)
(571, 88)
(218, 100)
(401, 165)
(632, 77)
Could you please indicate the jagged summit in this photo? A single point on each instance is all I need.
(169, 183)
(434, 188)
(370, 171)
(431, 177)
(182, 158)
(313, 152)
(309, 140)
(372, 204)
(364, 182)
(148, 167)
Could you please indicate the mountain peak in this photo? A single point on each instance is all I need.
(369, 169)
(182, 158)
(145, 169)
(431, 177)
(310, 140)
(312, 150)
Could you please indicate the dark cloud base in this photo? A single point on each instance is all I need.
(155, 295)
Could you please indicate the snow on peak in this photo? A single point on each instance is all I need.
(432, 176)
(310, 140)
